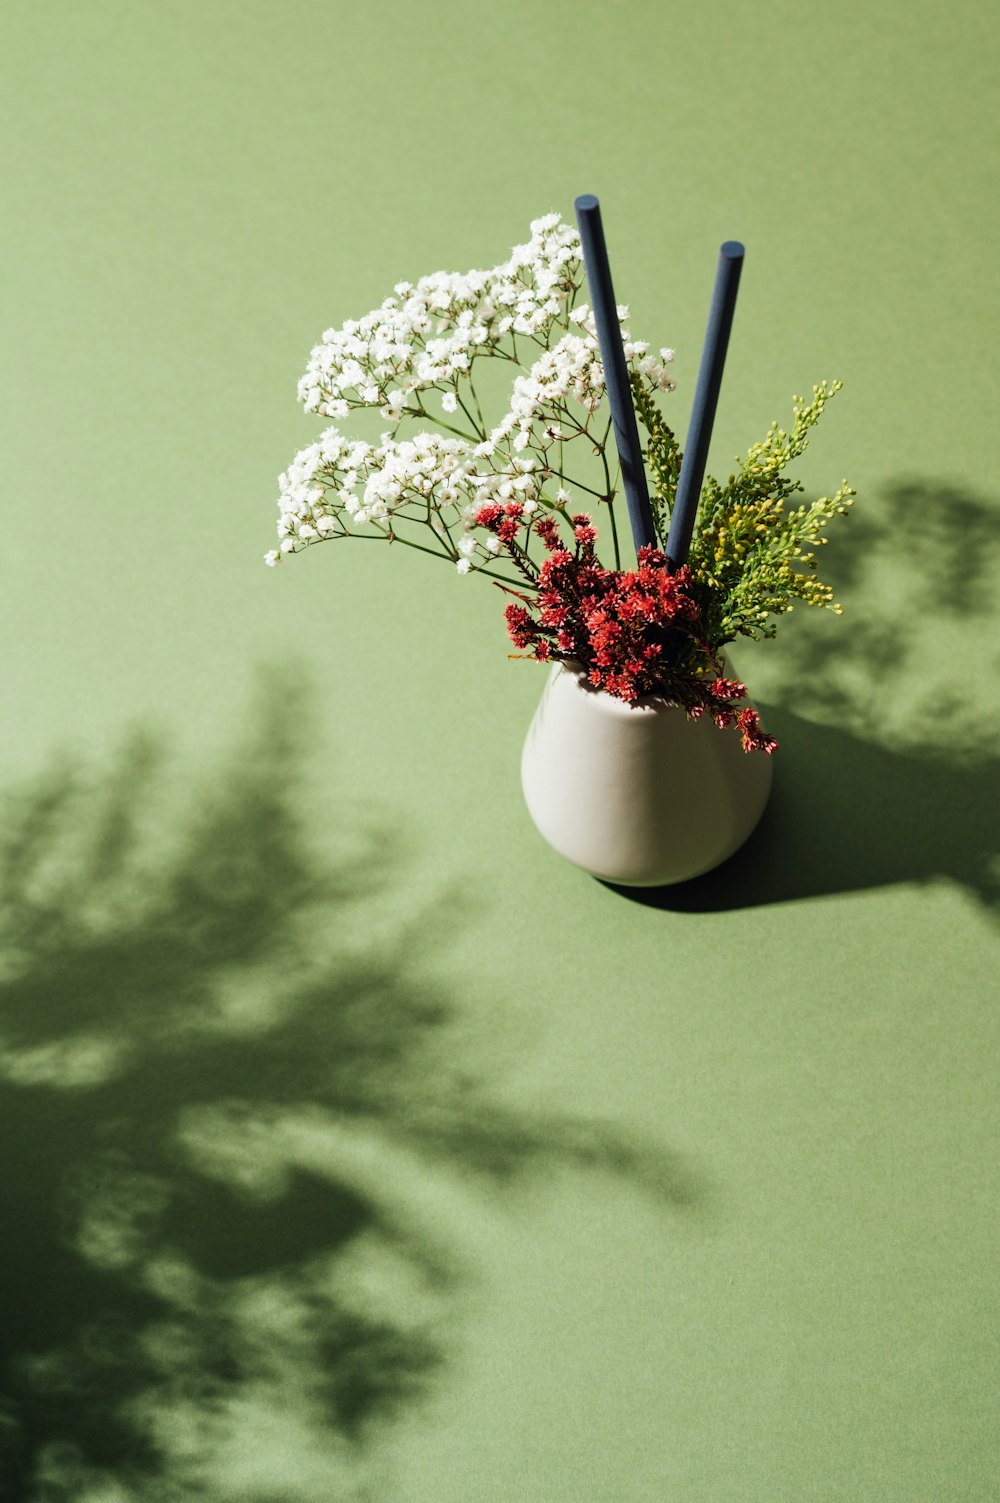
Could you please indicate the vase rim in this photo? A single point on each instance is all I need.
(576, 670)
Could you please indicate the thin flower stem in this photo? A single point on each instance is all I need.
(492, 574)
(395, 537)
(448, 550)
(472, 420)
(614, 534)
(475, 398)
(364, 537)
(421, 411)
(578, 485)
(523, 562)
(609, 499)
(566, 416)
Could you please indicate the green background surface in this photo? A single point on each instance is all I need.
(354, 1145)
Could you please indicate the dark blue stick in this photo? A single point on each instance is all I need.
(706, 397)
(602, 299)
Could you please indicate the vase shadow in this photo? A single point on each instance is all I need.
(887, 771)
(845, 815)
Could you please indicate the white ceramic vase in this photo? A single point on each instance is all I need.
(637, 794)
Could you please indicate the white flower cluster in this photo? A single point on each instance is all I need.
(428, 335)
(367, 482)
(570, 368)
(430, 332)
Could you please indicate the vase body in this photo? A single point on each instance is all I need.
(637, 794)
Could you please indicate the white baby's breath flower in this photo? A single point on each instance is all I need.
(430, 334)
(272, 557)
(427, 329)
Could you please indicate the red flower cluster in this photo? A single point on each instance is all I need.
(747, 721)
(627, 627)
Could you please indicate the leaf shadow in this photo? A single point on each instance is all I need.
(243, 1163)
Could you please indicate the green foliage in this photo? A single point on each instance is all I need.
(751, 556)
(662, 454)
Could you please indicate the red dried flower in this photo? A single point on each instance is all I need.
(629, 628)
(728, 688)
(752, 736)
(520, 626)
(548, 532)
(489, 514)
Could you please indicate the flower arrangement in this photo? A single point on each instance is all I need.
(506, 499)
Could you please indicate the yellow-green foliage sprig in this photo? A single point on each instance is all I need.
(751, 557)
(662, 455)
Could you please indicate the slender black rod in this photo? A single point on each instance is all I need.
(706, 397)
(609, 338)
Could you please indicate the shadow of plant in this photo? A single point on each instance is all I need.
(915, 663)
(888, 721)
(240, 1167)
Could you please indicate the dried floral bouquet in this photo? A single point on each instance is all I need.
(504, 499)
